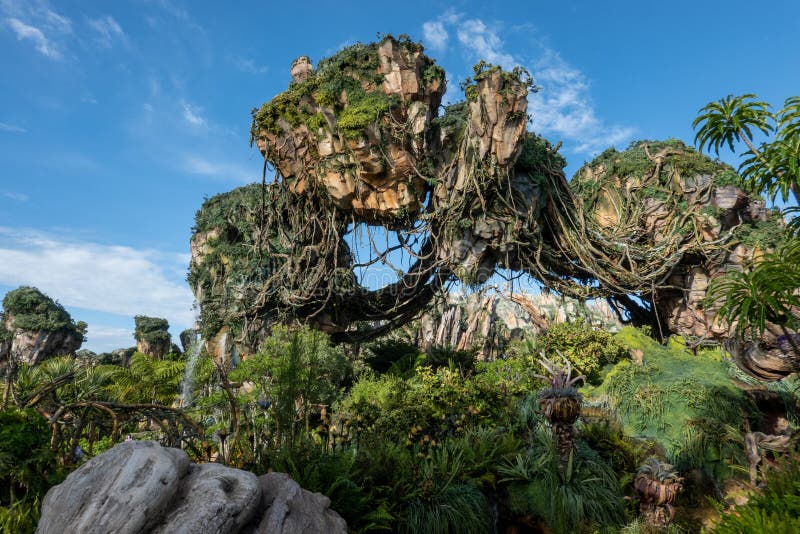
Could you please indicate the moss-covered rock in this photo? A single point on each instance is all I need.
(34, 327)
(688, 403)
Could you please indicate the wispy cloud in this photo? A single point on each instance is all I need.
(26, 32)
(5, 127)
(17, 197)
(248, 65)
(107, 30)
(484, 42)
(222, 170)
(563, 107)
(101, 338)
(106, 278)
(435, 35)
(192, 114)
(36, 22)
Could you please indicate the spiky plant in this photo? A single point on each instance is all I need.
(657, 484)
(561, 405)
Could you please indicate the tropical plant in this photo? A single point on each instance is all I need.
(763, 294)
(657, 484)
(775, 510)
(560, 403)
(583, 497)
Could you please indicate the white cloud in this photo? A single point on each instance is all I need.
(106, 278)
(192, 114)
(563, 108)
(26, 32)
(107, 30)
(195, 164)
(435, 34)
(103, 338)
(484, 41)
(4, 126)
(18, 197)
(249, 65)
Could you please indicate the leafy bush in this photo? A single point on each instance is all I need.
(27, 465)
(586, 348)
(776, 510)
(587, 496)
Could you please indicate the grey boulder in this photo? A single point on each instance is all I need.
(141, 487)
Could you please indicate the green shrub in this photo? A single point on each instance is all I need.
(776, 510)
(586, 497)
(586, 348)
(27, 465)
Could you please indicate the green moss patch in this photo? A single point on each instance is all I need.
(688, 403)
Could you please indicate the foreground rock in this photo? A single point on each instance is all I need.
(142, 487)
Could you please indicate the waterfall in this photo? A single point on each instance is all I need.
(192, 357)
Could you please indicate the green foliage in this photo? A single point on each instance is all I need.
(585, 498)
(153, 330)
(587, 349)
(293, 369)
(20, 517)
(773, 166)
(33, 310)
(732, 118)
(775, 510)
(346, 84)
(686, 403)
(392, 355)
(537, 156)
(765, 293)
(27, 465)
(146, 380)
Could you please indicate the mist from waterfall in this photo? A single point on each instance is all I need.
(192, 358)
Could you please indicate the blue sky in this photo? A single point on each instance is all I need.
(118, 118)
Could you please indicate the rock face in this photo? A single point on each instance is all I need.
(372, 174)
(32, 347)
(488, 321)
(141, 487)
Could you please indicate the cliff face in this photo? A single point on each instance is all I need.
(33, 328)
(489, 321)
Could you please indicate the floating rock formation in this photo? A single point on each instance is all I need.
(378, 201)
(33, 327)
(141, 487)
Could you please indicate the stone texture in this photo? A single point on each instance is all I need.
(125, 490)
(489, 320)
(374, 177)
(34, 346)
(293, 510)
(141, 487)
(213, 498)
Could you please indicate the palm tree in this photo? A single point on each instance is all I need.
(730, 119)
(776, 165)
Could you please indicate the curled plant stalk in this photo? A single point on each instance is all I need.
(561, 405)
(657, 484)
